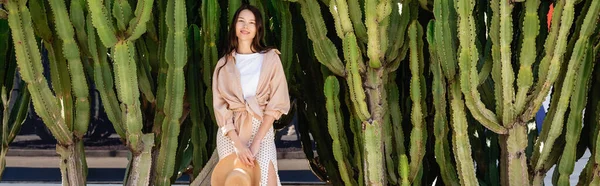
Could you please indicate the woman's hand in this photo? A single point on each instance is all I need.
(244, 154)
(255, 147)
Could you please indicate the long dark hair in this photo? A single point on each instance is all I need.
(257, 43)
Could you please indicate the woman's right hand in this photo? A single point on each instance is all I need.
(244, 154)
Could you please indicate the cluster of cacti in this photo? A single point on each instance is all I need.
(492, 74)
(370, 56)
(513, 109)
(68, 128)
(482, 75)
(136, 56)
(15, 98)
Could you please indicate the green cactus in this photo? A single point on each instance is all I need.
(574, 122)
(442, 147)
(364, 77)
(334, 121)
(126, 78)
(197, 110)
(418, 134)
(12, 115)
(70, 146)
(176, 55)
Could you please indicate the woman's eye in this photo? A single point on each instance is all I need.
(251, 22)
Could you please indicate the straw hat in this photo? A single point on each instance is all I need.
(230, 171)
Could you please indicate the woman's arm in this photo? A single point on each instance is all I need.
(265, 126)
(279, 102)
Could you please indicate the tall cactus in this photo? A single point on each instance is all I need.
(365, 77)
(515, 108)
(124, 66)
(176, 56)
(13, 113)
(69, 135)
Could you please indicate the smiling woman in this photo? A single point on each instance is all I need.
(249, 93)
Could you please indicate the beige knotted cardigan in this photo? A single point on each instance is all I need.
(232, 112)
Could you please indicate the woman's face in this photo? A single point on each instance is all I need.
(245, 27)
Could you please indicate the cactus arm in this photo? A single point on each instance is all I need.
(121, 11)
(104, 81)
(442, 147)
(460, 138)
(568, 83)
(356, 18)
(397, 33)
(575, 119)
(494, 34)
(388, 148)
(102, 22)
(418, 133)
(444, 29)
(197, 109)
(77, 17)
(371, 20)
(506, 70)
(358, 146)
(144, 77)
(554, 63)
(334, 123)
(30, 67)
(233, 5)
(210, 16)
(384, 10)
(324, 49)
(71, 52)
(345, 20)
(486, 69)
(333, 9)
(355, 82)
(287, 32)
(40, 20)
(159, 113)
(128, 93)
(468, 68)
(18, 113)
(549, 46)
(137, 26)
(404, 170)
(174, 91)
(528, 53)
(210, 12)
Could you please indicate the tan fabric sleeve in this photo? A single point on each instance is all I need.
(223, 115)
(279, 100)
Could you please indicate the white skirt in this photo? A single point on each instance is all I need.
(266, 154)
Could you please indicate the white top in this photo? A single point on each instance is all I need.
(249, 66)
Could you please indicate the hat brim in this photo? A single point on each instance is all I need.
(229, 163)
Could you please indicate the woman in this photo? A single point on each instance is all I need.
(249, 93)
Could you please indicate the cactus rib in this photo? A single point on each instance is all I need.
(29, 62)
(568, 83)
(334, 123)
(71, 53)
(177, 25)
(468, 68)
